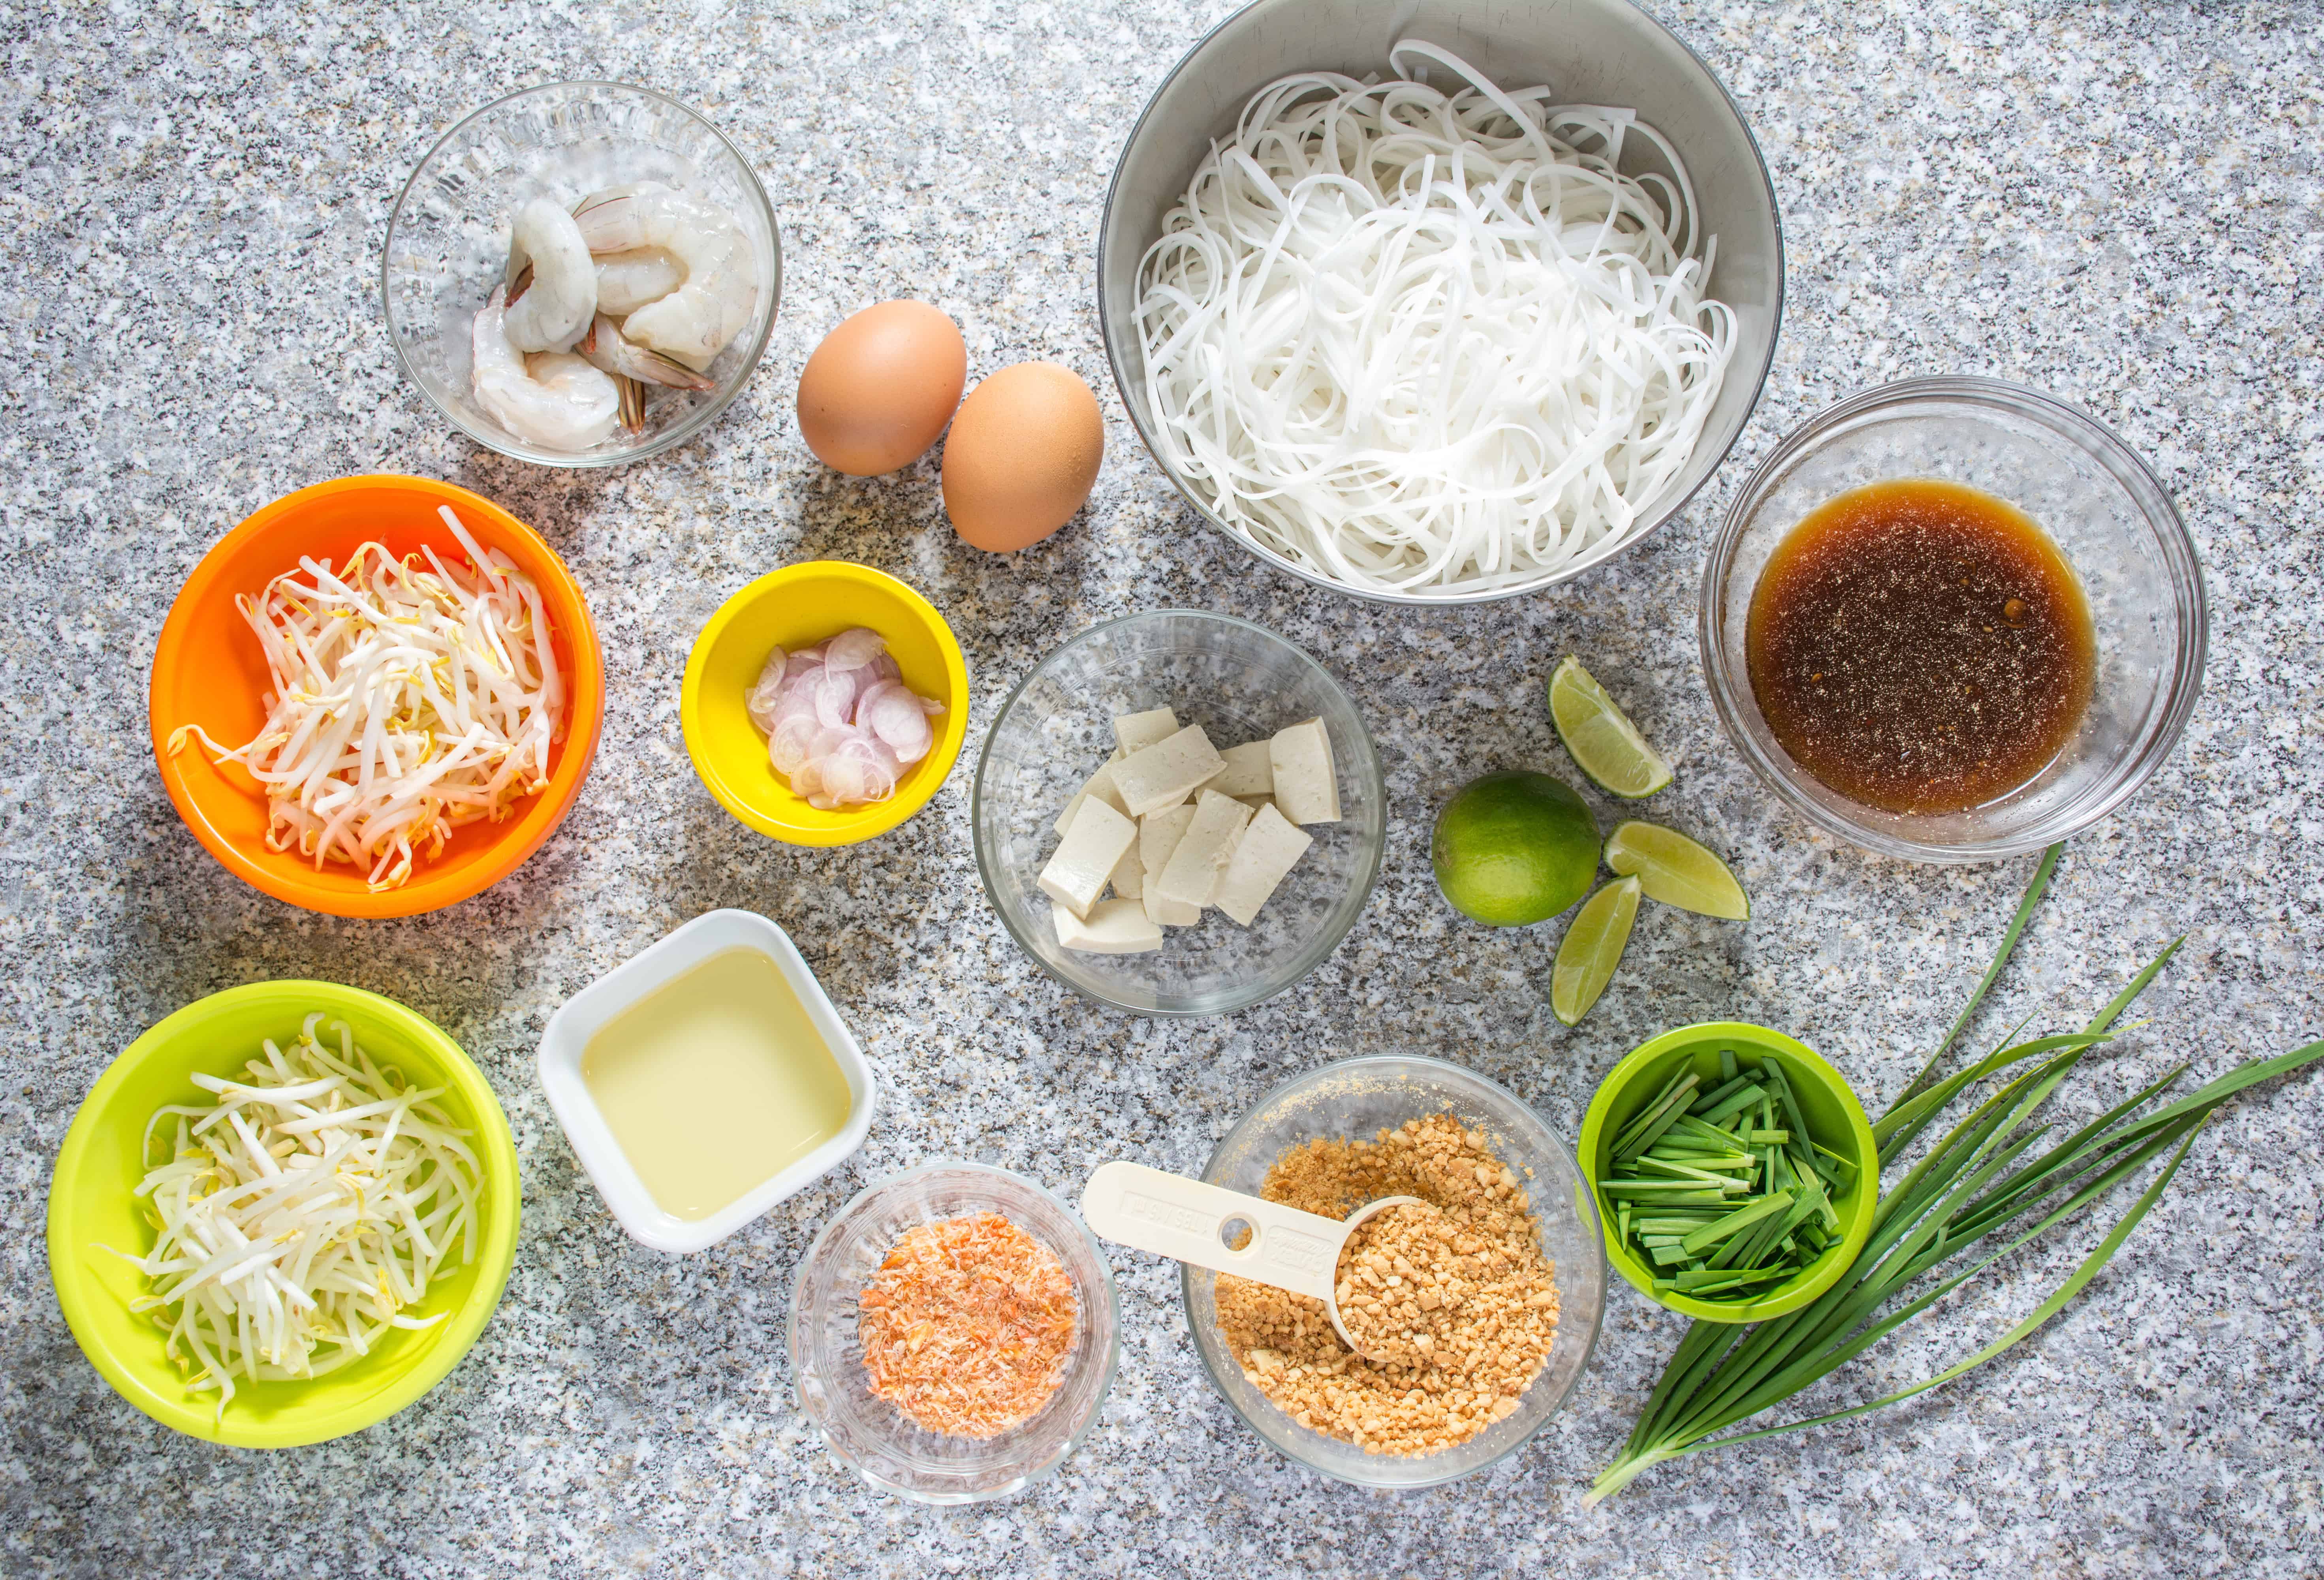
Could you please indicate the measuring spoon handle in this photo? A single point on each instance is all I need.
(1172, 1216)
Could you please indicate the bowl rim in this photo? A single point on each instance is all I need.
(678, 432)
(425, 892)
(2182, 565)
(815, 1248)
(1324, 944)
(495, 1255)
(1834, 1260)
(1585, 1199)
(880, 816)
(1663, 513)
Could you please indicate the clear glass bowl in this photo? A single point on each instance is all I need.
(447, 242)
(886, 1447)
(2101, 505)
(1357, 1098)
(1241, 682)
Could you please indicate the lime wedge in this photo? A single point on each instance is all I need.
(1676, 871)
(1606, 745)
(1591, 949)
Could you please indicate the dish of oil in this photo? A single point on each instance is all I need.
(716, 1082)
(1920, 646)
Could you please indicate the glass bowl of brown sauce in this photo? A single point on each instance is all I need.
(1952, 619)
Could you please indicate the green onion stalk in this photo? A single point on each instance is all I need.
(1988, 1186)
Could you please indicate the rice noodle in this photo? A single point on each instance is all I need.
(408, 700)
(301, 1215)
(1430, 344)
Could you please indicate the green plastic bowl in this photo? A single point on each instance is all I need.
(1833, 1114)
(91, 1204)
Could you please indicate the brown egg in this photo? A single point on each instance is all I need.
(881, 386)
(1023, 454)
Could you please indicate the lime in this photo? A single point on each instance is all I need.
(1591, 949)
(1676, 871)
(1514, 847)
(1604, 742)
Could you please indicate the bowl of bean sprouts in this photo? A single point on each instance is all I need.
(412, 766)
(1441, 302)
(342, 1314)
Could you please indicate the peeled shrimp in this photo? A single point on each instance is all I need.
(553, 399)
(627, 281)
(554, 310)
(693, 322)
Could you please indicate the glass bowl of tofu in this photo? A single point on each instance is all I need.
(1178, 813)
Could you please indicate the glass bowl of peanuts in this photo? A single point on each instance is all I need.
(1504, 1285)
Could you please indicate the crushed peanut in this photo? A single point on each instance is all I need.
(1464, 1291)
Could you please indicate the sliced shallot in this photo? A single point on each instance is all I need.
(841, 725)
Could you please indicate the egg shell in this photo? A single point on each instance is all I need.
(880, 389)
(1024, 452)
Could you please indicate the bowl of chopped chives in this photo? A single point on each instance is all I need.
(1735, 1172)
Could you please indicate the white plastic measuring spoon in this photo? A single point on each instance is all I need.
(1172, 1216)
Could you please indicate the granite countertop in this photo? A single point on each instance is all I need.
(2116, 202)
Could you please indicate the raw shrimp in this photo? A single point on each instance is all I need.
(557, 400)
(554, 310)
(607, 347)
(627, 281)
(694, 322)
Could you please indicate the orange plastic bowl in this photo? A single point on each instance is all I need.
(208, 671)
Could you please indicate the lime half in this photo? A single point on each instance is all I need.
(1676, 871)
(1605, 745)
(1591, 949)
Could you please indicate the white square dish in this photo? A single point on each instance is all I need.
(609, 1168)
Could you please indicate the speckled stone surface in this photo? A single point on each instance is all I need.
(2119, 203)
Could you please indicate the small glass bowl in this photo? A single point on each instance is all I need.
(881, 1443)
(1241, 682)
(2099, 504)
(1357, 1098)
(447, 242)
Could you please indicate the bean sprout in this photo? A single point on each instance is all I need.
(406, 702)
(1430, 344)
(302, 1214)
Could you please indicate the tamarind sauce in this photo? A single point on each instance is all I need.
(1920, 646)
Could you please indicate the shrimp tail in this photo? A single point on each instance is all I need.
(607, 347)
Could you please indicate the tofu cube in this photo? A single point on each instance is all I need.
(1138, 731)
(1307, 782)
(1191, 872)
(1158, 834)
(1271, 846)
(1113, 926)
(1085, 861)
(1164, 912)
(1250, 770)
(1166, 773)
(1128, 878)
(1099, 784)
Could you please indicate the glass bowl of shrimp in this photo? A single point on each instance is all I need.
(581, 274)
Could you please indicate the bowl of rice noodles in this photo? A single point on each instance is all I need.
(1440, 302)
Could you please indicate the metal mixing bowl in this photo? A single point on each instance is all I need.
(1596, 51)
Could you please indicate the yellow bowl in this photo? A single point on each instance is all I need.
(796, 607)
(91, 1205)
